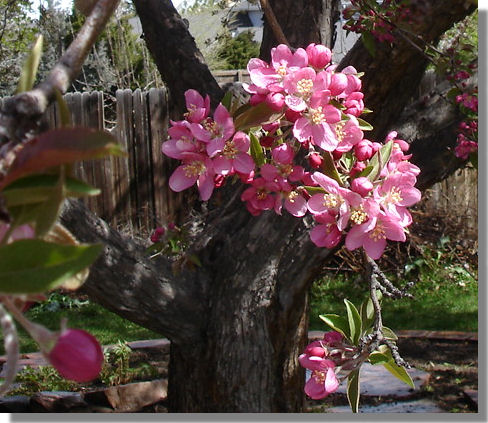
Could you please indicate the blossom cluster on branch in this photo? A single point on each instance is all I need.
(299, 145)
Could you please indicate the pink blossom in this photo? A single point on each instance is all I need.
(283, 153)
(20, 232)
(372, 234)
(234, 156)
(198, 108)
(326, 234)
(348, 133)
(196, 168)
(465, 148)
(398, 190)
(275, 101)
(353, 82)
(317, 125)
(354, 104)
(181, 141)
(259, 194)
(77, 355)
(294, 203)
(323, 380)
(315, 160)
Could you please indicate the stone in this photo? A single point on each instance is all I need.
(377, 381)
(15, 404)
(56, 402)
(472, 396)
(418, 406)
(131, 397)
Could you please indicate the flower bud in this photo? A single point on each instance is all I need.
(266, 141)
(318, 55)
(283, 154)
(77, 355)
(315, 160)
(256, 99)
(363, 150)
(357, 167)
(291, 115)
(157, 234)
(275, 101)
(362, 186)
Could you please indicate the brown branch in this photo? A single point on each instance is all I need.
(21, 112)
(273, 23)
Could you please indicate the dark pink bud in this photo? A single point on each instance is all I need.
(337, 154)
(157, 234)
(362, 186)
(315, 160)
(318, 55)
(376, 146)
(283, 154)
(171, 226)
(219, 180)
(358, 167)
(332, 337)
(266, 141)
(256, 99)
(77, 355)
(291, 115)
(363, 150)
(275, 101)
(315, 351)
(271, 127)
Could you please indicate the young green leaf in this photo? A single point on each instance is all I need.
(399, 372)
(50, 209)
(227, 100)
(29, 70)
(64, 113)
(384, 153)
(364, 126)
(315, 190)
(256, 150)
(328, 167)
(337, 323)
(33, 266)
(353, 390)
(389, 334)
(376, 358)
(366, 311)
(354, 320)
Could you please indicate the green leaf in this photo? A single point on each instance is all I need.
(64, 113)
(366, 311)
(399, 372)
(365, 172)
(38, 187)
(337, 323)
(255, 116)
(369, 43)
(33, 266)
(256, 150)
(354, 320)
(389, 334)
(376, 358)
(364, 126)
(49, 210)
(60, 146)
(353, 391)
(315, 190)
(227, 100)
(384, 153)
(29, 70)
(328, 167)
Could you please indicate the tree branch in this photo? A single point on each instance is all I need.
(21, 112)
(145, 291)
(273, 23)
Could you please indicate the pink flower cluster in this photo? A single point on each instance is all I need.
(352, 186)
(321, 358)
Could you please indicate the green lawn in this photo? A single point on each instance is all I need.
(445, 298)
(107, 327)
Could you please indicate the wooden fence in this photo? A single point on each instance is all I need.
(135, 194)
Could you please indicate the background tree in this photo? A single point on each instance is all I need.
(238, 322)
(236, 52)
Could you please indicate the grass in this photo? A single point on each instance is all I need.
(106, 326)
(445, 297)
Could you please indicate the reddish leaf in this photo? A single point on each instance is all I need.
(61, 146)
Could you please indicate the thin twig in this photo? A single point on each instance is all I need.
(273, 23)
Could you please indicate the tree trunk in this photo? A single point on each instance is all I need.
(238, 323)
(311, 21)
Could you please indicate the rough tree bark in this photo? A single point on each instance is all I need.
(238, 323)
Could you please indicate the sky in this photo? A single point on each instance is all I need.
(65, 4)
